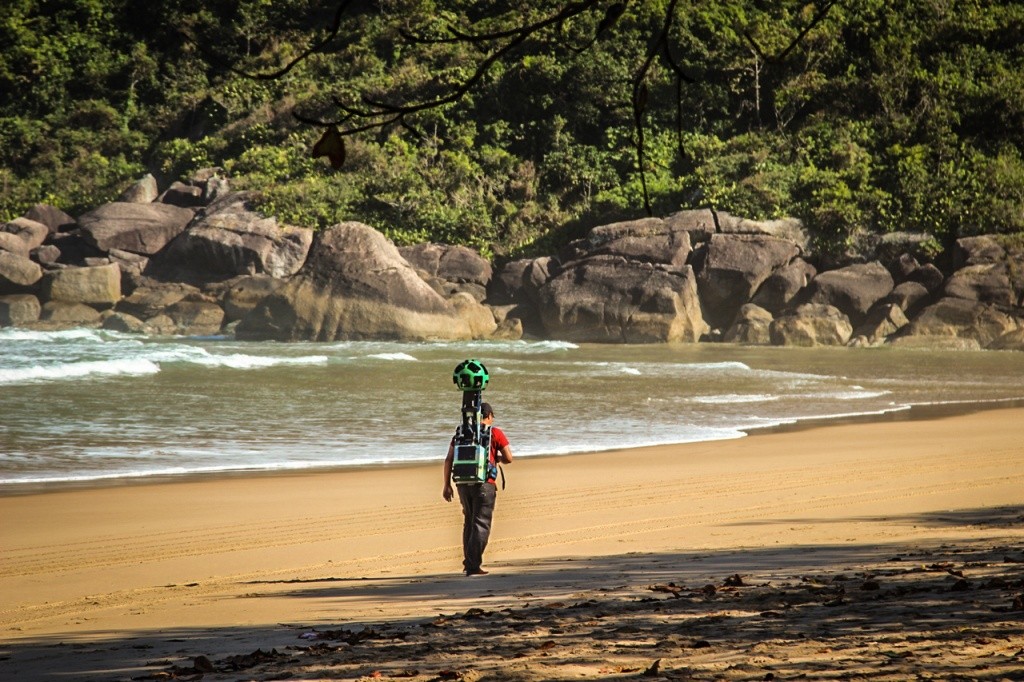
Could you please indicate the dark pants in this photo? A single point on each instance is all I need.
(477, 508)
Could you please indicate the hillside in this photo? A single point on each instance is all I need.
(856, 117)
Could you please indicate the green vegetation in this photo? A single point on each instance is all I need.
(884, 116)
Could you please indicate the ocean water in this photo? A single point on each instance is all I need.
(86, 405)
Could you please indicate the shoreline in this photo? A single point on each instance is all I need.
(918, 412)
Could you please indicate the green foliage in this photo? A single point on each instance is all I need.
(872, 117)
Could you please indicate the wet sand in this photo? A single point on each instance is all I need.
(880, 550)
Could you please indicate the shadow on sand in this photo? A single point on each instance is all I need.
(852, 611)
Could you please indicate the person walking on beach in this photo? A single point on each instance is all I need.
(477, 498)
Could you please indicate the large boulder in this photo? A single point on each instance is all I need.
(96, 286)
(243, 294)
(55, 219)
(609, 299)
(450, 269)
(985, 282)
(30, 232)
(782, 287)
(702, 223)
(734, 268)
(961, 318)
(650, 240)
(154, 298)
(910, 296)
(456, 264)
(17, 273)
(980, 250)
(196, 317)
(232, 239)
(18, 310)
(752, 326)
(812, 324)
(139, 228)
(354, 285)
(68, 314)
(143, 191)
(882, 322)
(12, 243)
(853, 289)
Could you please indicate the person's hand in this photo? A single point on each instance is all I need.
(448, 493)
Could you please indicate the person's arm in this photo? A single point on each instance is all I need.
(504, 449)
(448, 493)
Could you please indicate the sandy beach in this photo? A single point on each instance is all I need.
(887, 550)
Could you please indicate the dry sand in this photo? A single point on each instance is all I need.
(888, 550)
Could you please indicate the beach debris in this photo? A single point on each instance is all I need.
(670, 588)
(1018, 602)
(870, 585)
(960, 585)
(735, 580)
(203, 664)
(652, 671)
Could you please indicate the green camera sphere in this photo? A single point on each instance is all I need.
(471, 375)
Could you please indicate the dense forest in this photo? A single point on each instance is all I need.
(512, 126)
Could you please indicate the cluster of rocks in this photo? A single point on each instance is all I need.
(197, 259)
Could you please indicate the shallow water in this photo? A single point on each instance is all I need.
(86, 404)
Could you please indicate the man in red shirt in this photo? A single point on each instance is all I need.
(477, 498)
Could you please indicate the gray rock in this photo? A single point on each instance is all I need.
(17, 273)
(47, 254)
(509, 329)
(1011, 340)
(752, 326)
(139, 228)
(812, 324)
(649, 240)
(55, 219)
(125, 323)
(30, 232)
(609, 299)
(243, 294)
(180, 194)
(12, 243)
(853, 289)
(161, 325)
(980, 250)
(507, 283)
(962, 318)
(196, 317)
(70, 314)
(143, 191)
(882, 322)
(702, 223)
(231, 239)
(985, 282)
(735, 267)
(477, 317)
(132, 268)
(18, 310)
(929, 276)
(154, 298)
(354, 285)
(455, 264)
(910, 296)
(96, 286)
(782, 287)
